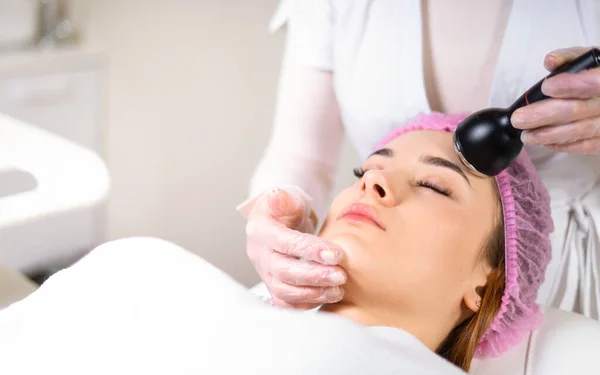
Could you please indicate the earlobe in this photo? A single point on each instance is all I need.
(473, 301)
(474, 297)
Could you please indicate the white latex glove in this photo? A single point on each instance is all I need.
(299, 269)
(570, 120)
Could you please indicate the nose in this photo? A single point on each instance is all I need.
(376, 185)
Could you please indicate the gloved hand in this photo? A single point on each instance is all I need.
(570, 121)
(299, 269)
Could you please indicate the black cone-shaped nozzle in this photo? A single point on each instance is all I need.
(486, 141)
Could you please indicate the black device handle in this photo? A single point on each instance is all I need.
(588, 60)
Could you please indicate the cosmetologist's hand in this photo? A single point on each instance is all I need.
(299, 269)
(570, 120)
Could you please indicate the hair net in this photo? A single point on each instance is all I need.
(527, 228)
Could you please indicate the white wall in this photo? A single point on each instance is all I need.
(190, 106)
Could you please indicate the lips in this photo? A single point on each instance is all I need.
(360, 212)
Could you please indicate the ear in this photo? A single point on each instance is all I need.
(472, 299)
(474, 296)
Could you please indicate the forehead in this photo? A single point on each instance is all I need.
(418, 142)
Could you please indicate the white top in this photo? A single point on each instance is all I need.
(146, 306)
(355, 68)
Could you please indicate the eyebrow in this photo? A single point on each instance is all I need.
(441, 162)
(428, 159)
(383, 152)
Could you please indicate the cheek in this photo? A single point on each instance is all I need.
(440, 241)
(330, 229)
(342, 200)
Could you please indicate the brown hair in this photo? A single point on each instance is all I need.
(460, 345)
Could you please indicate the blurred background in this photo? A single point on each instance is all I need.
(175, 96)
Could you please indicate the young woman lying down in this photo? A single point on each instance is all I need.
(442, 266)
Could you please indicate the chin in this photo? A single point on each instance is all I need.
(357, 248)
(341, 228)
(351, 240)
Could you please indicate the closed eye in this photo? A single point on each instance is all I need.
(358, 172)
(434, 187)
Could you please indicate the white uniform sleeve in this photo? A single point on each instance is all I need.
(307, 135)
(310, 25)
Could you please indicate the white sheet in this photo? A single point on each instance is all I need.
(146, 306)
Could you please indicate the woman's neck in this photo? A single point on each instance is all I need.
(430, 332)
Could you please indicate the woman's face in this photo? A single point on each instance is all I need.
(413, 228)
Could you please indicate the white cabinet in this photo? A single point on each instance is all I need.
(64, 93)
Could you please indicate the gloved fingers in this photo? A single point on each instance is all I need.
(564, 133)
(576, 96)
(290, 242)
(586, 146)
(555, 111)
(296, 267)
(303, 295)
(267, 278)
(286, 207)
(559, 57)
(299, 272)
(310, 247)
(582, 85)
